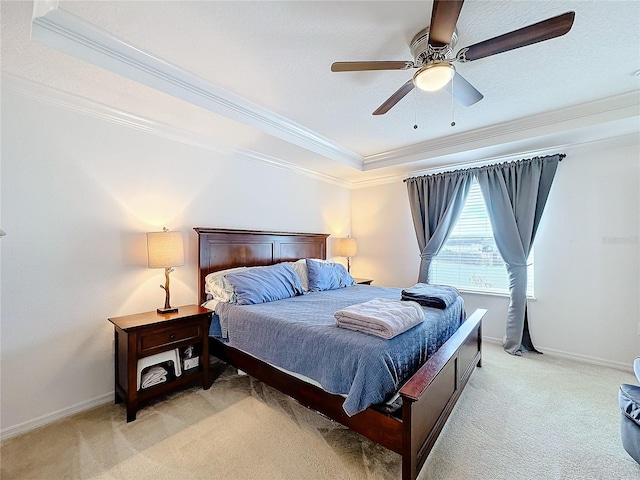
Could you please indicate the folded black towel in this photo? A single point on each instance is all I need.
(435, 296)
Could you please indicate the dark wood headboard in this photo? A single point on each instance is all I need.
(222, 248)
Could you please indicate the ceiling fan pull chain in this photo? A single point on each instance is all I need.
(415, 109)
(453, 103)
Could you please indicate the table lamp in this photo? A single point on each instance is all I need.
(165, 250)
(347, 247)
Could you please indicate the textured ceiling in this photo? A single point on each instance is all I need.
(278, 55)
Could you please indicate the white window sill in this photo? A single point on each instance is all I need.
(490, 294)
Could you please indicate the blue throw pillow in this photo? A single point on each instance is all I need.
(265, 284)
(327, 276)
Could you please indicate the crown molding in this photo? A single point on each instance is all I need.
(587, 114)
(70, 34)
(291, 167)
(84, 106)
(625, 140)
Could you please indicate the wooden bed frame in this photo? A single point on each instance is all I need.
(428, 397)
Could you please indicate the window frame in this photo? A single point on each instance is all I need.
(464, 232)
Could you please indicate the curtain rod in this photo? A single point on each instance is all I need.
(561, 155)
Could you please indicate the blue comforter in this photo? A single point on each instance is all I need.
(300, 334)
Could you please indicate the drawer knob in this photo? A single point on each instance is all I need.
(172, 336)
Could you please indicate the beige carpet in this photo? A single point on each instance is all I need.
(519, 418)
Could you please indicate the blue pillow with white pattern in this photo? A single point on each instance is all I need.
(327, 276)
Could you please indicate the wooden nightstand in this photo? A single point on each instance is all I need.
(362, 281)
(150, 333)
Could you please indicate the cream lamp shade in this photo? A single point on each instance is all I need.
(165, 249)
(347, 247)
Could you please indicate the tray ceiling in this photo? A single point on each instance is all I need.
(275, 57)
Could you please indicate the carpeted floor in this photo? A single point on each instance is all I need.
(525, 417)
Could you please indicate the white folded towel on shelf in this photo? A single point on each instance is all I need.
(382, 317)
(154, 376)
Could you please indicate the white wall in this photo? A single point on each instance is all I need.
(587, 262)
(78, 195)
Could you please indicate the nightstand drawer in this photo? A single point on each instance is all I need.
(167, 336)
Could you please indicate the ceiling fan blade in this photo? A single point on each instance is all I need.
(374, 65)
(395, 98)
(538, 32)
(463, 91)
(444, 17)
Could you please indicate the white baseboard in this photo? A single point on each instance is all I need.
(552, 352)
(55, 416)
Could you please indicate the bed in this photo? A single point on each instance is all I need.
(427, 398)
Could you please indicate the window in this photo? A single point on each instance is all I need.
(469, 260)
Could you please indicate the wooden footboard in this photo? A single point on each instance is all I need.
(430, 395)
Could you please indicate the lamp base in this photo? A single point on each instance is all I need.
(167, 310)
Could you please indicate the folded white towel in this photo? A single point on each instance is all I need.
(151, 383)
(154, 376)
(383, 317)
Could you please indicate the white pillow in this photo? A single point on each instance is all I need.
(300, 267)
(211, 304)
(216, 285)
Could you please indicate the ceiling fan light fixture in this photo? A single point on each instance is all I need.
(434, 76)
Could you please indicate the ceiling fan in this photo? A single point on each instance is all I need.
(432, 49)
